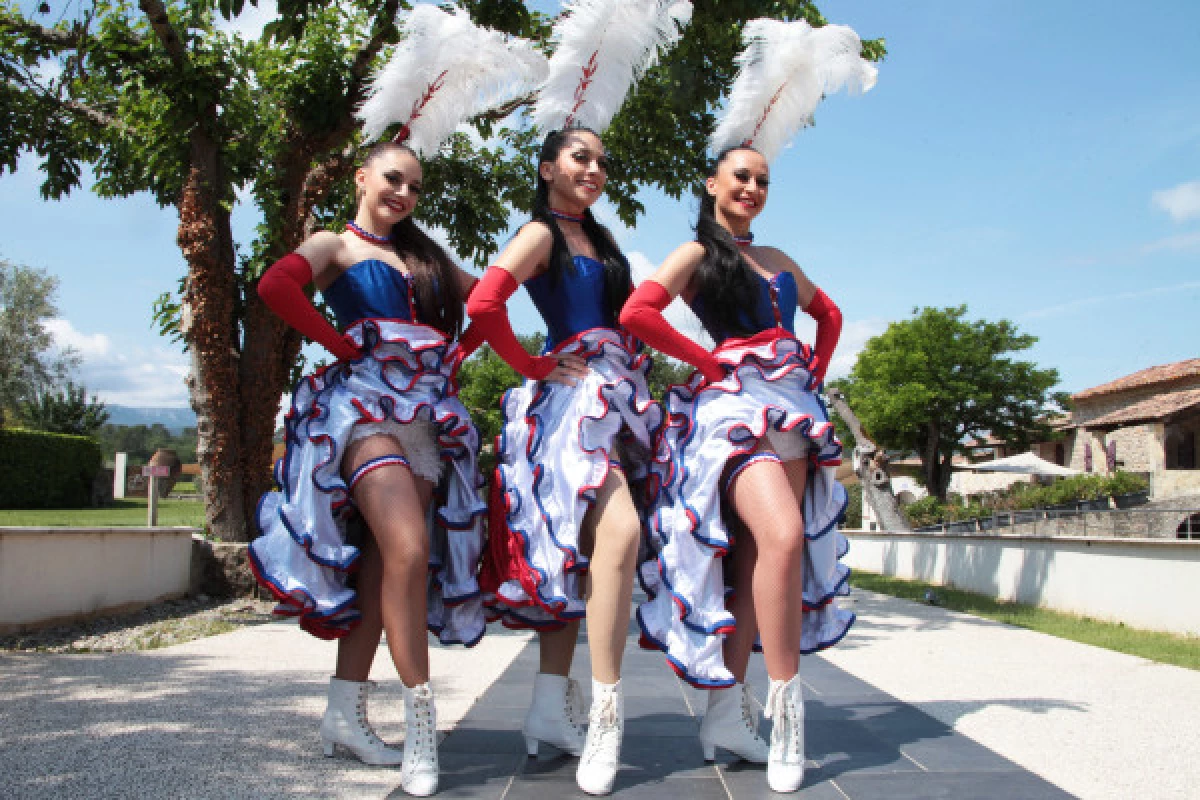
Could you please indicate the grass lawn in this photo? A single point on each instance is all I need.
(1182, 651)
(130, 511)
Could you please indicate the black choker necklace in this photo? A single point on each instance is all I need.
(743, 241)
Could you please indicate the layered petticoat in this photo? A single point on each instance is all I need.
(555, 450)
(768, 392)
(303, 556)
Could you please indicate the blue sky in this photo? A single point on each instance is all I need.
(1037, 161)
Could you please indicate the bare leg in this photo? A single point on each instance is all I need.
(740, 644)
(556, 649)
(768, 498)
(616, 532)
(393, 501)
(356, 651)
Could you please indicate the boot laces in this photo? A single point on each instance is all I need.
(604, 732)
(575, 708)
(360, 712)
(421, 733)
(781, 706)
(749, 712)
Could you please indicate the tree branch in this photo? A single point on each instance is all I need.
(51, 37)
(497, 114)
(156, 12)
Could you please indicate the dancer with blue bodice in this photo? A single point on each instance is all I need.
(381, 435)
(577, 436)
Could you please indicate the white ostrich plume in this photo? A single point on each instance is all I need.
(445, 71)
(784, 71)
(601, 49)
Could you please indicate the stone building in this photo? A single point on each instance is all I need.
(1147, 423)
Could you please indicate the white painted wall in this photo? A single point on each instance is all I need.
(1145, 583)
(69, 573)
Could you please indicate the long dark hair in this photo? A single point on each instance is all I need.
(434, 277)
(617, 281)
(725, 283)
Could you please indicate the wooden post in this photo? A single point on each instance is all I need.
(152, 502)
(153, 473)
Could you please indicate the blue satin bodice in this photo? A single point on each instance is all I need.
(775, 306)
(370, 289)
(576, 303)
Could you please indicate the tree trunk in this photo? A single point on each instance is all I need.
(269, 350)
(870, 464)
(209, 327)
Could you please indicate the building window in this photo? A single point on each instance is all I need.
(1189, 528)
(1180, 448)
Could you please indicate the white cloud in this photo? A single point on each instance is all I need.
(855, 334)
(1182, 202)
(250, 23)
(1083, 302)
(128, 375)
(1181, 243)
(606, 215)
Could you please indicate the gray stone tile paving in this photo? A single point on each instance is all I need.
(861, 743)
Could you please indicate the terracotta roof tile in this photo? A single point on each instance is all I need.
(1151, 376)
(1150, 410)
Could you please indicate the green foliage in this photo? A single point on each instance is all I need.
(65, 410)
(665, 373)
(140, 442)
(928, 383)
(483, 379)
(1022, 496)
(46, 470)
(854, 506)
(27, 362)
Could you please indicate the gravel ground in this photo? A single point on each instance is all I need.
(160, 625)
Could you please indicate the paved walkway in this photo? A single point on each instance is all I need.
(917, 703)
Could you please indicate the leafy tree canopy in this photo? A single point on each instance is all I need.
(28, 362)
(929, 382)
(65, 410)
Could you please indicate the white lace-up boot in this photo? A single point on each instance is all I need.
(785, 765)
(731, 723)
(602, 749)
(345, 725)
(419, 775)
(555, 715)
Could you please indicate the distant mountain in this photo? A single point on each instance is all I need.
(173, 419)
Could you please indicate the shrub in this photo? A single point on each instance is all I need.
(46, 470)
(1126, 483)
(926, 511)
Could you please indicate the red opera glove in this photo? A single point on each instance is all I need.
(642, 316)
(282, 288)
(829, 330)
(486, 307)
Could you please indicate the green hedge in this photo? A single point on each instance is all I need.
(47, 470)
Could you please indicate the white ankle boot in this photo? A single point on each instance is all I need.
(555, 715)
(602, 750)
(345, 725)
(419, 775)
(785, 705)
(731, 723)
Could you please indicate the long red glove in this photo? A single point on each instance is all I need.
(282, 288)
(488, 312)
(829, 330)
(642, 315)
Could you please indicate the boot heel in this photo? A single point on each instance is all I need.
(531, 746)
(327, 748)
(710, 751)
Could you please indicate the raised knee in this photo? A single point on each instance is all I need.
(783, 540)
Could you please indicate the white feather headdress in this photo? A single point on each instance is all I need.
(785, 70)
(445, 71)
(601, 48)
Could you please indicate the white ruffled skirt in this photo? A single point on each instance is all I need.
(404, 386)
(555, 450)
(769, 393)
